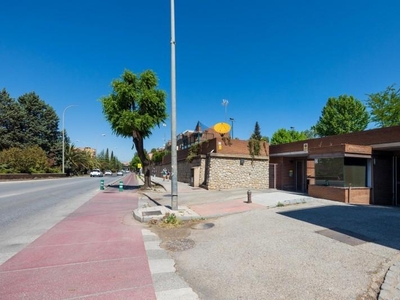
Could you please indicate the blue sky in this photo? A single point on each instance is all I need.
(276, 62)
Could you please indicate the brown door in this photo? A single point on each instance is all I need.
(300, 176)
(383, 171)
(397, 180)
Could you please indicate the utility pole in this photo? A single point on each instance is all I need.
(63, 138)
(232, 119)
(174, 159)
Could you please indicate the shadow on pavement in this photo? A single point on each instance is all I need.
(126, 187)
(377, 224)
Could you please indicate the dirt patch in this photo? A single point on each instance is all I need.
(174, 237)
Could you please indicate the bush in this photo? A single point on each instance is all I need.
(28, 160)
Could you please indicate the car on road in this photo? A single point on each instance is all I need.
(120, 173)
(96, 173)
(108, 173)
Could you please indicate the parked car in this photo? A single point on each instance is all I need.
(96, 173)
(107, 173)
(120, 173)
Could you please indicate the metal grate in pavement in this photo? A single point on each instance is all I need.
(345, 236)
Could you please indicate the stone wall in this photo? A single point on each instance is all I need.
(226, 171)
(31, 176)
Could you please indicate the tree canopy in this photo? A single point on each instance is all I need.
(385, 107)
(255, 140)
(341, 115)
(12, 118)
(134, 108)
(283, 136)
(29, 121)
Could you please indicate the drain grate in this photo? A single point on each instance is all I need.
(202, 226)
(344, 236)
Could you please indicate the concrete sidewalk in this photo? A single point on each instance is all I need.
(195, 203)
(199, 203)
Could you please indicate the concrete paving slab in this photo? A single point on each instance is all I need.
(162, 266)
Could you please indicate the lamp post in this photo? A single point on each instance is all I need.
(232, 119)
(63, 138)
(97, 141)
(174, 160)
(225, 104)
(164, 125)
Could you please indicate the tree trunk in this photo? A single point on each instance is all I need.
(138, 141)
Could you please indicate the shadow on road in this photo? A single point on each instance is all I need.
(377, 224)
(125, 187)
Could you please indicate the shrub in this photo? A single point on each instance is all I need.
(28, 160)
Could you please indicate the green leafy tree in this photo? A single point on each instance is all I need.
(385, 107)
(342, 115)
(284, 136)
(310, 134)
(12, 117)
(107, 157)
(158, 156)
(134, 162)
(77, 162)
(255, 140)
(134, 108)
(40, 123)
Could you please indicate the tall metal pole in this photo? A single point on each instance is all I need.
(63, 138)
(174, 160)
(232, 119)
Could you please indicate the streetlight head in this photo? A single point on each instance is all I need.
(232, 119)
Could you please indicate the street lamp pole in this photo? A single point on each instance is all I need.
(97, 141)
(232, 119)
(174, 160)
(63, 138)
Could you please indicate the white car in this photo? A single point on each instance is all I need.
(96, 173)
(108, 173)
(120, 173)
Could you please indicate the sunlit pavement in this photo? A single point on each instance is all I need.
(97, 252)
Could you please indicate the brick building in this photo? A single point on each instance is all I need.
(214, 161)
(360, 167)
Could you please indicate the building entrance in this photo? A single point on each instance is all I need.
(300, 176)
(397, 180)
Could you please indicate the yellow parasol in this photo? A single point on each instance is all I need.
(222, 128)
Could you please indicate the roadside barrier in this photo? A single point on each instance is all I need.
(121, 186)
(102, 184)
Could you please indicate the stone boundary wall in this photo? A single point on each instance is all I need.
(184, 169)
(224, 171)
(30, 176)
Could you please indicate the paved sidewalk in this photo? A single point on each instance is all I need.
(100, 252)
(195, 202)
(97, 252)
(199, 203)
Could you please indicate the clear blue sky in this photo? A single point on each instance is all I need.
(276, 62)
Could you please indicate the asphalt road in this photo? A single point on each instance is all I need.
(30, 208)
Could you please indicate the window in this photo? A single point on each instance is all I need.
(341, 171)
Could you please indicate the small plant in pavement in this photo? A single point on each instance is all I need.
(280, 204)
(170, 219)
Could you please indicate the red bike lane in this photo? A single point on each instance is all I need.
(96, 252)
